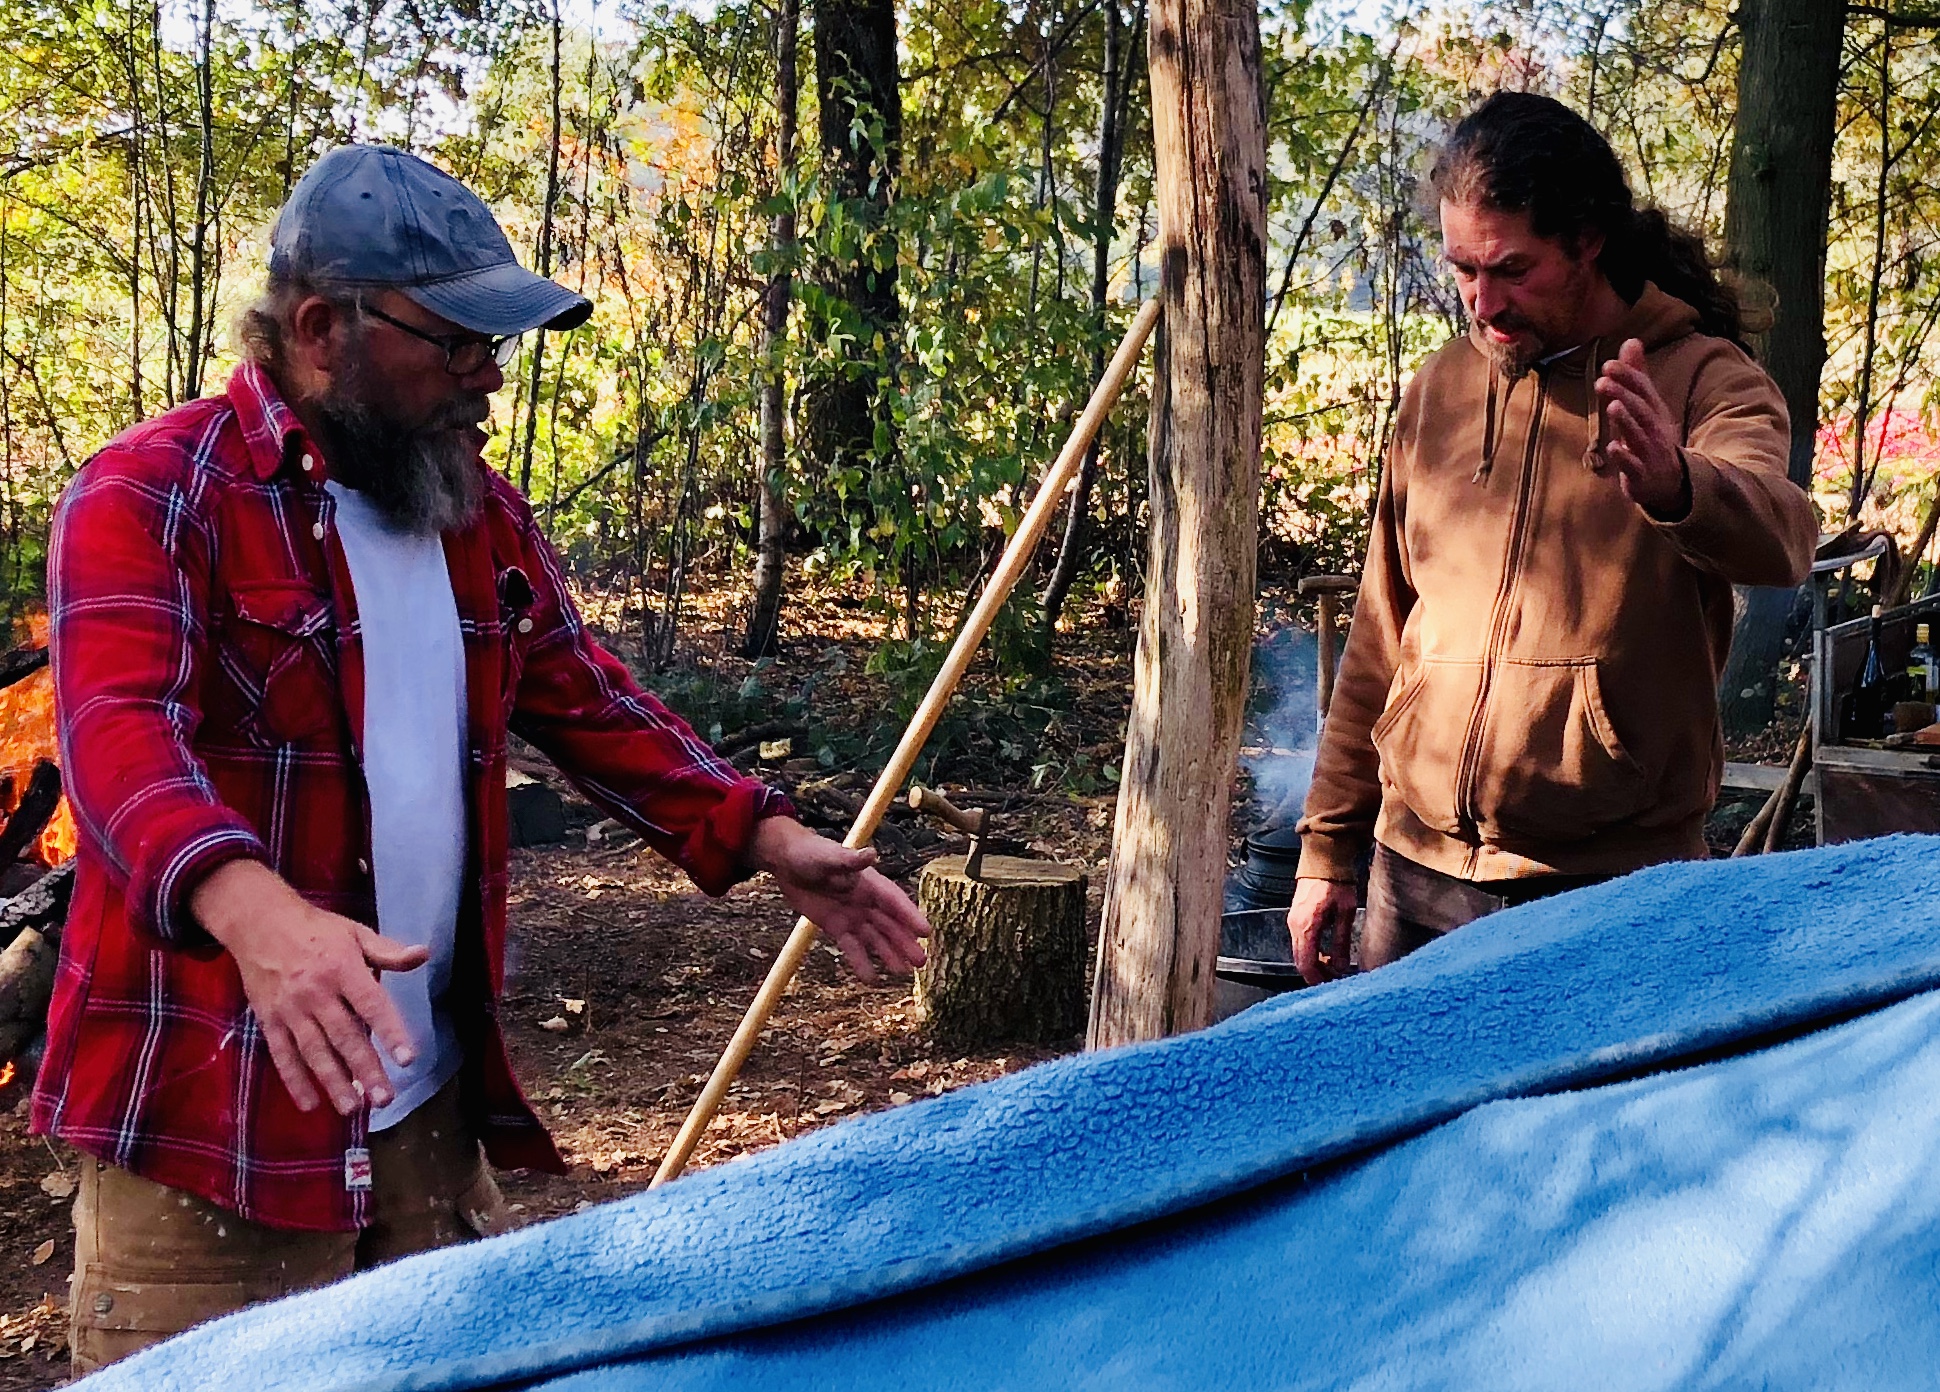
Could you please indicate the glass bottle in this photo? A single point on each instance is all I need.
(1922, 670)
(1867, 707)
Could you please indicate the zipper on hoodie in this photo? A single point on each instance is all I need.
(1467, 769)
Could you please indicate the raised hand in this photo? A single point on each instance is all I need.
(1642, 446)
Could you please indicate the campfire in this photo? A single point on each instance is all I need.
(27, 740)
(37, 840)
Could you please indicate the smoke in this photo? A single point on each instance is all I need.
(1278, 750)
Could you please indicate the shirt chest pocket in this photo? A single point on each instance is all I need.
(278, 650)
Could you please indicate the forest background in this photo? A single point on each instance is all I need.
(856, 263)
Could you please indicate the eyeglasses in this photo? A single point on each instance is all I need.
(464, 353)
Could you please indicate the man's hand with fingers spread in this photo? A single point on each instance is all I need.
(1642, 444)
(842, 893)
(312, 978)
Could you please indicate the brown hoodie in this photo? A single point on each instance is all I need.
(1530, 686)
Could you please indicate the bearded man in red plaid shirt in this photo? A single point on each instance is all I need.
(292, 626)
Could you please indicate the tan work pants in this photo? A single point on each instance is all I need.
(150, 1261)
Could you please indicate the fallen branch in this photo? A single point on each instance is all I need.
(753, 736)
(19, 664)
(31, 925)
(35, 811)
(1902, 585)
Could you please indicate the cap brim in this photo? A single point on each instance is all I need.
(502, 300)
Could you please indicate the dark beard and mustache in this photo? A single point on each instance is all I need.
(422, 479)
(1514, 359)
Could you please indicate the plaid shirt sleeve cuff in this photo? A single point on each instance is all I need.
(168, 868)
(713, 855)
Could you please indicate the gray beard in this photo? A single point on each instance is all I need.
(421, 479)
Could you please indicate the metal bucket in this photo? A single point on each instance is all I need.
(1255, 960)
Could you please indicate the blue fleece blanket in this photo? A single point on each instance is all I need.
(1095, 1179)
(1768, 1222)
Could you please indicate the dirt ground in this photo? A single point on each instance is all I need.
(664, 973)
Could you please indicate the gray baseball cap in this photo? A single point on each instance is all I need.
(369, 216)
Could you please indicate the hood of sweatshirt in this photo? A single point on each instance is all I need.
(1655, 319)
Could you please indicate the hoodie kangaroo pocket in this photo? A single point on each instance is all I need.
(1420, 735)
(1551, 767)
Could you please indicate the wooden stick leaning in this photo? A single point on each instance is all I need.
(1010, 568)
(1766, 831)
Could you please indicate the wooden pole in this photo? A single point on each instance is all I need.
(1327, 592)
(1787, 796)
(1009, 569)
(1766, 830)
(1162, 900)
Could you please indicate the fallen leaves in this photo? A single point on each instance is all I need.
(58, 1184)
(41, 1327)
(42, 1253)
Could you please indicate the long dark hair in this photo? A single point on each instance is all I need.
(1519, 152)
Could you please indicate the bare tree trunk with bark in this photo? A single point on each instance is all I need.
(544, 259)
(771, 527)
(1162, 901)
(859, 96)
(1780, 195)
(201, 282)
(1115, 88)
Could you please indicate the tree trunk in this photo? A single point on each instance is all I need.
(1162, 901)
(1104, 208)
(1006, 953)
(544, 259)
(201, 283)
(1779, 199)
(771, 527)
(859, 94)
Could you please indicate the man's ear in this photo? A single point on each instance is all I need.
(1588, 245)
(316, 333)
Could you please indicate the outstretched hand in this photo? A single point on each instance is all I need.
(1642, 447)
(311, 976)
(842, 893)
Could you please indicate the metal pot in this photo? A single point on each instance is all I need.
(1255, 960)
(1265, 879)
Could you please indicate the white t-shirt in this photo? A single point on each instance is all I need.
(414, 768)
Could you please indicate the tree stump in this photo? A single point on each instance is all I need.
(1006, 952)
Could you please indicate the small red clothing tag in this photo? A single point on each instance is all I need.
(356, 1168)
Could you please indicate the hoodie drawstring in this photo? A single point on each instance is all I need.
(1488, 429)
(1593, 424)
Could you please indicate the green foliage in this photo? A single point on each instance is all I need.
(149, 152)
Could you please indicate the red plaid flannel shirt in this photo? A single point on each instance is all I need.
(209, 677)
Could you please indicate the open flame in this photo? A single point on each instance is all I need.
(27, 735)
(7, 1072)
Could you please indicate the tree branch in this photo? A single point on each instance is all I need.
(1897, 19)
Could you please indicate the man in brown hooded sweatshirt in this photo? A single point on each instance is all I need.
(1527, 702)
